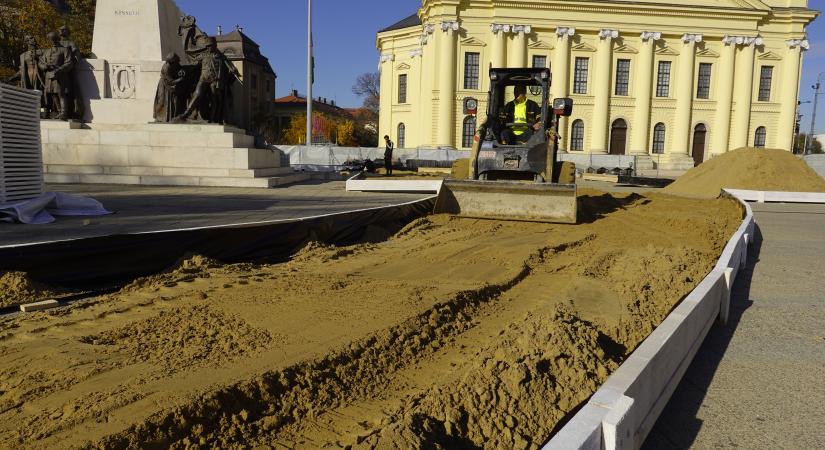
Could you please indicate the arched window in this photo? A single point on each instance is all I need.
(760, 137)
(659, 138)
(577, 136)
(468, 131)
(402, 131)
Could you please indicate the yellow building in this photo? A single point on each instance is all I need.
(681, 80)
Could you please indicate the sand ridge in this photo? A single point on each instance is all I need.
(454, 332)
(758, 169)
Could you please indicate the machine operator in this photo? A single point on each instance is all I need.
(524, 115)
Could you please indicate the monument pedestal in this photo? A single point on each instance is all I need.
(159, 154)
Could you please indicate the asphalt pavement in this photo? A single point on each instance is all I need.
(759, 383)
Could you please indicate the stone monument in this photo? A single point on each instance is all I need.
(121, 141)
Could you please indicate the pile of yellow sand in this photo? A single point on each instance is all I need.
(748, 168)
(17, 288)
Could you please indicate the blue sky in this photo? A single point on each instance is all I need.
(344, 33)
(345, 41)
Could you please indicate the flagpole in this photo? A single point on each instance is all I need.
(309, 73)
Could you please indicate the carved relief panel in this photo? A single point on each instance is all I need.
(122, 78)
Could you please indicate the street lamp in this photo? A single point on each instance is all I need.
(310, 74)
(810, 138)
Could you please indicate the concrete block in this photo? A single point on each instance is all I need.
(59, 125)
(108, 179)
(194, 172)
(58, 178)
(69, 136)
(169, 181)
(617, 429)
(39, 306)
(69, 169)
(60, 154)
(724, 307)
(231, 140)
(105, 155)
(583, 432)
(133, 170)
(140, 138)
(193, 141)
(394, 185)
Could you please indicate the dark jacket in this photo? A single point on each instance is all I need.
(388, 150)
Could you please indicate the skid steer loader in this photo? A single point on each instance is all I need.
(521, 180)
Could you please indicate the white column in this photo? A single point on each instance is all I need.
(601, 90)
(499, 51)
(640, 136)
(560, 81)
(744, 91)
(789, 93)
(518, 52)
(446, 84)
(385, 126)
(684, 94)
(724, 95)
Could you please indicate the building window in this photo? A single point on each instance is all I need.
(703, 84)
(580, 78)
(659, 138)
(471, 64)
(623, 77)
(663, 81)
(254, 81)
(765, 81)
(539, 62)
(402, 131)
(468, 131)
(577, 136)
(760, 138)
(402, 88)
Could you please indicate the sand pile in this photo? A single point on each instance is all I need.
(751, 169)
(454, 333)
(17, 288)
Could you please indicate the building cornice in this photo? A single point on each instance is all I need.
(662, 9)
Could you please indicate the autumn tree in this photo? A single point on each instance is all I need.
(368, 86)
(19, 18)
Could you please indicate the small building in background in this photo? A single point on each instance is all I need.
(258, 89)
(284, 108)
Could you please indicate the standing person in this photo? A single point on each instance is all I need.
(388, 155)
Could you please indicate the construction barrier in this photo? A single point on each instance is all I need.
(357, 183)
(623, 411)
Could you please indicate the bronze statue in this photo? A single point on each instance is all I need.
(56, 63)
(213, 90)
(75, 102)
(168, 98)
(29, 75)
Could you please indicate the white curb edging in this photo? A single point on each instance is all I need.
(777, 197)
(357, 183)
(624, 410)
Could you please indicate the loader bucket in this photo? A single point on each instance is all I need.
(508, 200)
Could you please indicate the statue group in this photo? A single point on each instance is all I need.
(52, 71)
(200, 91)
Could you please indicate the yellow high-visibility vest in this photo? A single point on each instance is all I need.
(520, 118)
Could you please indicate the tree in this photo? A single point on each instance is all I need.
(36, 18)
(366, 127)
(368, 86)
(802, 139)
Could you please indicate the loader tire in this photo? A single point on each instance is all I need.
(567, 172)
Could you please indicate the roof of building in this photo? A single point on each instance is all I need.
(238, 46)
(411, 21)
(320, 104)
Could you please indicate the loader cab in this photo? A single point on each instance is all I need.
(493, 157)
(503, 84)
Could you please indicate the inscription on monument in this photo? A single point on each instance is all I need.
(127, 12)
